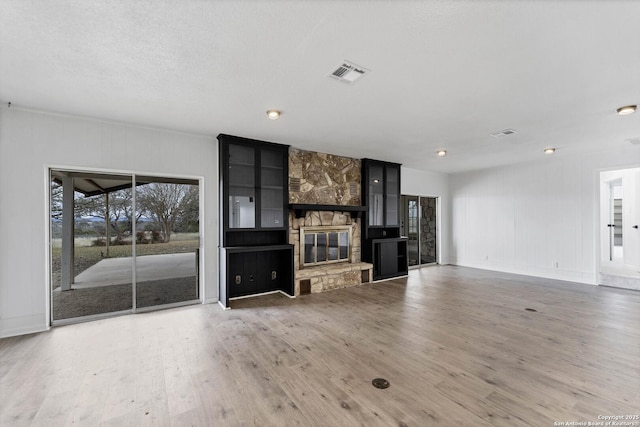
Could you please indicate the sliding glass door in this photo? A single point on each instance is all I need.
(91, 265)
(411, 227)
(167, 241)
(119, 243)
(419, 226)
(428, 240)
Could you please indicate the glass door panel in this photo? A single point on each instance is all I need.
(410, 227)
(419, 225)
(242, 211)
(91, 244)
(272, 186)
(393, 192)
(428, 238)
(376, 193)
(321, 243)
(167, 241)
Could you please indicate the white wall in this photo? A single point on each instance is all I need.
(526, 218)
(29, 143)
(432, 184)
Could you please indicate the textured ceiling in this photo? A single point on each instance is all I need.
(444, 74)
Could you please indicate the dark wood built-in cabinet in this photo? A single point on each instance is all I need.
(389, 257)
(256, 256)
(381, 242)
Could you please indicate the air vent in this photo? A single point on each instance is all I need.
(634, 141)
(503, 133)
(348, 72)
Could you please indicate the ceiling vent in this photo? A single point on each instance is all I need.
(503, 133)
(634, 141)
(348, 72)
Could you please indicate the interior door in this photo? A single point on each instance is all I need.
(606, 232)
(631, 218)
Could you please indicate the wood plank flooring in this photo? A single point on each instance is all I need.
(456, 344)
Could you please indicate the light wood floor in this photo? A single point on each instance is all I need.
(456, 344)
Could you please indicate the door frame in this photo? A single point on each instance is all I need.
(598, 217)
(438, 228)
(48, 247)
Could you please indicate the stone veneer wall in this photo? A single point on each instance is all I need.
(325, 179)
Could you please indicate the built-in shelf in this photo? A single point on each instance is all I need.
(300, 210)
(255, 254)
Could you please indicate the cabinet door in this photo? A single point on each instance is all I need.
(388, 258)
(392, 203)
(272, 181)
(376, 195)
(242, 188)
(241, 274)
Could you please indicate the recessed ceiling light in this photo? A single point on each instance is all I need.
(273, 114)
(549, 150)
(441, 153)
(627, 109)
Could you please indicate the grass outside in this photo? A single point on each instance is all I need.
(86, 256)
(89, 239)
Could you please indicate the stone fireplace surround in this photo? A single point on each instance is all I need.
(326, 179)
(328, 276)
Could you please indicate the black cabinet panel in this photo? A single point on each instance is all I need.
(392, 195)
(382, 244)
(375, 196)
(255, 256)
(389, 257)
(255, 270)
(254, 191)
(272, 171)
(241, 186)
(381, 191)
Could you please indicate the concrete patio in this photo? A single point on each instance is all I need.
(118, 271)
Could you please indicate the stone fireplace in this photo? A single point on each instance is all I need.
(332, 185)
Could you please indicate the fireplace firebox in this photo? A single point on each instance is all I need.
(325, 245)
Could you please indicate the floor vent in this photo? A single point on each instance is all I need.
(305, 287)
(364, 276)
(348, 72)
(380, 383)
